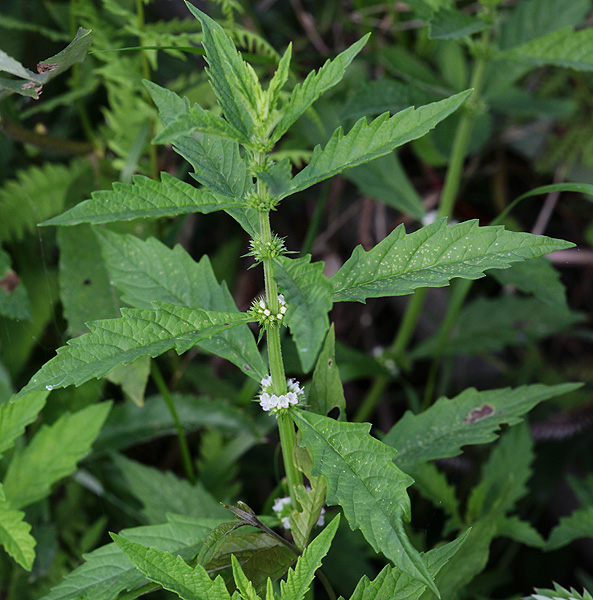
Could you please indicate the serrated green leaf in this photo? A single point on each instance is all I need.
(133, 379)
(532, 19)
(512, 320)
(145, 271)
(35, 194)
(559, 593)
(578, 524)
(15, 534)
(308, 294)
(14, 300)
(385, 179)
(137, 333)
(107, 571)
(145, 198)
(299, 580)
(470, 418)
(362, 478)
(172, 572)
(454, 24)
(243, 584)
(280, 78)
(433, 255)
(162, 492)
(52, 454)
(311, 502)
(394, 583)
(538, 277)
(326, 391)
(15, 416)
(434, 486)
(504, 476)
(84, 283)
(562, 48)
(519, 531)
(316, 83)
(366, 141)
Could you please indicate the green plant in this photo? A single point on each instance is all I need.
(175, 303)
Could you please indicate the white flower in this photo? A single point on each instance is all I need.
(273, 402)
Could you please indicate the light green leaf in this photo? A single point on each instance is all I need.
(316, 83)
(512, 320)
(139, 332)
(145, 198)
(308, 294)
(299, 580)
(107, 571)
(35, 194)
(311, 502)
(532, 19)
(520, 531)
(394, 583)
(578, 524)
(562, 48)
(559, 593)
(15, 416)
(84, 283)
(454, 24)
(15, 534)
(538, 277)
(470, 418)
(366, 141)
(385, 179)
(234, 81)
(363, 480)
(172, 572)
(280, 78)
(432, 256)
(162, 492)
(145, 271)
(243, 584)
(326, 391)
(133, 379)
(52, 454)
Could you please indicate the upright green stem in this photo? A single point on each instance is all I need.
(446, 207)
(166, 394)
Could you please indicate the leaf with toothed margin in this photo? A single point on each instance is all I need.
(145, 198)
(139, 332)
(432, 256)
(362, 478)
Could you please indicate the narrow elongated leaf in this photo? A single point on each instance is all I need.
(52, 454)
(308, 294)
(432, 256)
(243, 584)
(520, 531)
(15, 416)
(316, 84)
(139, 332)
(394, 583)
(146, 270)
(311, 502)
(145, 198)
(366, 141)
(472, 417)
(172, 572)
(362, 478)
(562, 48)
(15, 534)
(578, 524)
(107, 571)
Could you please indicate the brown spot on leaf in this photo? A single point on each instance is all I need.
(9, 282)
(46, 67)
(477, 414)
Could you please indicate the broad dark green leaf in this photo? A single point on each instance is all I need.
(107, 571)
(145, 198)
(366, 141)
(470, 418)
(519, 531)
(454, 24)
(15, 416)
(139, 332)
(145, 271)
(362, 478)
(173, 573)
(578, 524)
(52, 454)
(434, 485)
(432, 256)
(326, 391)
(307, 292)
(15, 534)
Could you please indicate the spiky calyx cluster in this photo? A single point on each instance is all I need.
(261, 312)
(271, 249)
(262, 202)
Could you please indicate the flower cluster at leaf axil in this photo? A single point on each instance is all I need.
(283, 507)
(261, 312)
(274, 402)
